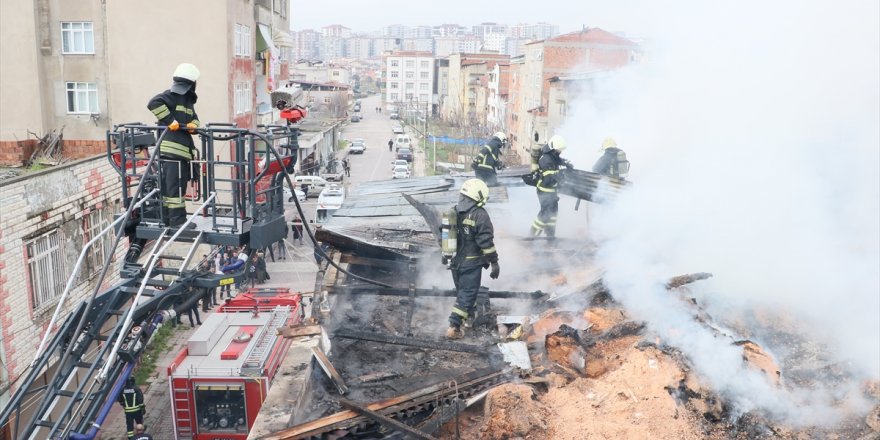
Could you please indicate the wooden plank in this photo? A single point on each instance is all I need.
(330, 370)
(303, 330)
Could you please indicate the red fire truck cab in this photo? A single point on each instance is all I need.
(219, 380)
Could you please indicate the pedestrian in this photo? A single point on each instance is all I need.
(220, 260)
(252, 271)
(262, 274)
(139, 433)
(297, 227)
(132, 400)
(175, 109)
(613, 161)
(489, 159)
(347, 167)
(282, 249)
(390, 144)
(475, 250)
(548, 180)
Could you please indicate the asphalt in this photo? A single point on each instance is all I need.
(297, 271)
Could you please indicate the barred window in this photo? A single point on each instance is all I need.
(45, 263)
(93, 224)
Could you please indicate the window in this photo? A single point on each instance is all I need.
(423, 75)
(409, 96)
(242, 40)
(93, 223)
(45, 265)
(394, 74)
(82, 98)
(410, 75)
(326, 100)
(311, 99)
(77, 37)
(394, 85)
(410, 86)
(395, 63)
(335, 73)
(410, 63)
(394, 97)
(423, 87)
(423, 64)
(423, 98)
(242, 98)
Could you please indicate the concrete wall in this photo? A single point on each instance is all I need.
(55, 199)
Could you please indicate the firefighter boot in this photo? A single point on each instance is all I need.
(454, 332)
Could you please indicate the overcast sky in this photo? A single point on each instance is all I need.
(361, 15)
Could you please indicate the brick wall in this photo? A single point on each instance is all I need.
(56, 198)
(15, 153)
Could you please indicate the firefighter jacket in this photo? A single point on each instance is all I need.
(548, 170)
(489, 157)
(609, 163)
(131, 399)
(476, 236)
(169, 107)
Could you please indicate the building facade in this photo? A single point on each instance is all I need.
(409, 79)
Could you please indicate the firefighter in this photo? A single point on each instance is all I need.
(613, 161)
(475, 251)
(132, 400)
(489, 160)
(175, 108)
(549, 165)
(140, 434)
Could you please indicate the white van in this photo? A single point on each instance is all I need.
(328, 202)
(313, 184)
(402, 141)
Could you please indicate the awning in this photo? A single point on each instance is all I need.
(264, 37)
(282, 39)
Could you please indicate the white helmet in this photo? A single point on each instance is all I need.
(187, 71)
(501, 136)
(476, 190)
(557, 143)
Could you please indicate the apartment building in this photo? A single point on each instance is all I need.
(466, 72)
(86, 66)
(590, 49)
(409, 77)
(306, 45)
(538, 31)
(359, 48)
(445, 46)
(498, 85)
(335, 31)
(89, 65)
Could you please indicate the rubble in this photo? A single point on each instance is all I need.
(513, 411)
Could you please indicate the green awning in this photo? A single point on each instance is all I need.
(264, 36)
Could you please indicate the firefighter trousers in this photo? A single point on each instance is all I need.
(488, 176)
(546, 220)
(175, 177)
(467, 286)
(132, 418)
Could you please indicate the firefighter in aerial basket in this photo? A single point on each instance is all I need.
(175, 109)
(468, 247)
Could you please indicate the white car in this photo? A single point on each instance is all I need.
(360, 141)
(301, 196)
(356, 148)
(400, 172)
(399, 162)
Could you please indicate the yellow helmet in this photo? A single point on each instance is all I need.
(608, 143)
(187, 71)
(557, 143)
(476, 190)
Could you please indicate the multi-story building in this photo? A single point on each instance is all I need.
(359, 47)
(445, 46)
(498, 83)
(418, 44)
(306, 45)
(516, 46)
(448, 30)
(395, 31)
(539, 31)
(466, 72)
(514, 103)
(483, 29)
(335, 31)
(331, 48)
(590, 49)
(84, 67)
(409, 79)
(495, 41)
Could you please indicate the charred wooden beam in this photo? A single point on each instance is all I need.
(330, 370)
(386, 421)
(448, 293)
(410, 342)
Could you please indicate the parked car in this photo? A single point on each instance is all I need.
(402, 141)
(397, 129)
(356, 118)
(400, 172)
(405, 154)
(360, 141)
(394, 115)
(313, 184)
(301, 196)
(357, 107)
(356, 148)
(399, 162)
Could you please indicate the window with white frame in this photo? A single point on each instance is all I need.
(242, 40)
(77, 37)
(242, 97)
(423, 64)
(395, 63)
(82, 97)
(423, 87)
(326, 100)
(423, 98)
(45, 264)
(410, 86)
(410, 75)
(410, 63)
(393, 74)
(394, 85)
(423, 75)
(394, 97)
(93, 224)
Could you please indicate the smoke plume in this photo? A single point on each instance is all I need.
(752, 129)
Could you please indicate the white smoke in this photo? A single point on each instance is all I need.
(752, 128)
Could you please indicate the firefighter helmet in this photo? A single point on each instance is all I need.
(557, 143)
(476, 190)
(501, 136)
(608, 143)
(187, 71)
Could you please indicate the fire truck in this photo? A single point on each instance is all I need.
(218, 381)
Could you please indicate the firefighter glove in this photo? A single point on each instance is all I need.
(569, 165)
(191, 127)
(174, 126)
(195, 171)
(496, 270)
